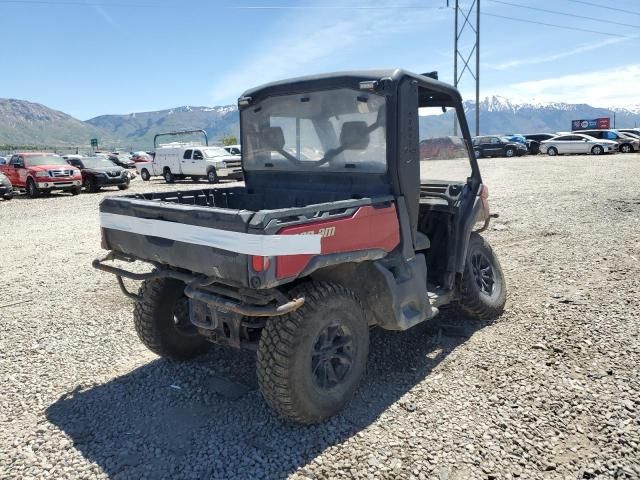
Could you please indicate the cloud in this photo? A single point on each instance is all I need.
(559, 55)
(307, 40)
(601, 88)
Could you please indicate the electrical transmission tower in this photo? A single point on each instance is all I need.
(466, 20)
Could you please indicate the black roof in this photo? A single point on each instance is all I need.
(345, 78)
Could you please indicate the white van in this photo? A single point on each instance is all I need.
(178, 161)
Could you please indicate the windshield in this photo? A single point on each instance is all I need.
(40, 160)
(330, 130)
(97, 162)
(211, 152)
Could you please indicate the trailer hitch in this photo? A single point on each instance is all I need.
(195, 289)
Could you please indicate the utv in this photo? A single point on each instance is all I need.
(333, 233)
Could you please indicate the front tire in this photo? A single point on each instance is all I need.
(32, 189)
(509, 152)
(76, 191)
(626, 148)
(310, 361)
(123, 187)
(161, 319)
(483, 291)
(597, 150)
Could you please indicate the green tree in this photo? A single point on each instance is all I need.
(229, 140)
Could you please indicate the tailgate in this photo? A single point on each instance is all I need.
(201, 239)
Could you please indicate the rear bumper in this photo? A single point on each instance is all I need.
(59, 185)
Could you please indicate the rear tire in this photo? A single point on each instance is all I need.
(552, 151)
(597, 150)
(32, 189)
(168, 176)
(161, 319)
(144, 174)
(310, 361)
(483, 292)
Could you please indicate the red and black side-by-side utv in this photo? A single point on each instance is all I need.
(332, 233)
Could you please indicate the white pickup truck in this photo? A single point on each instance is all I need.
(176, 161)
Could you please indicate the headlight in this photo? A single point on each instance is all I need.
(125, 174)
(223, 164)
(42, 173)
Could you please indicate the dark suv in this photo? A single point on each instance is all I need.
(625, 144)
(496, 146)
(98, 172)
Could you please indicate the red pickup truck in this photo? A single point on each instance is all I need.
(39, 173)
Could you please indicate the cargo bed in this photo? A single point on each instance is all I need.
(214, 231)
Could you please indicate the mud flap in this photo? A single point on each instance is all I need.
(409, 298)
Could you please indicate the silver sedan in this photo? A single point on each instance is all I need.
(577, 143)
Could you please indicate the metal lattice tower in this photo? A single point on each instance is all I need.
(470, 23)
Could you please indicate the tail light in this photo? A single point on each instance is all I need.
(260, 264)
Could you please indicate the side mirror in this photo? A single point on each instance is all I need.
(354, 135)
(585, 139)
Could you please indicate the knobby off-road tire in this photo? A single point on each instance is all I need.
(483, 292)
(310, 361)
(161, 318)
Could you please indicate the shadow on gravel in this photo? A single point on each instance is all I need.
(206, 418)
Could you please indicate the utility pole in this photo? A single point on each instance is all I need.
(465, 57)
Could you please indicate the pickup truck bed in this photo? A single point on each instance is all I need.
(214, 232)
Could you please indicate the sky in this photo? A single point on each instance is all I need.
(94, 57)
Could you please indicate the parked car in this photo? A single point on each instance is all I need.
(39, 173)
(625, 144)
(442, 148)
(301, 262)
(196, 161)
(534, 140)
(633, 132)
(496, 146)
(138, 157)
(6, 189)
(100, 172)
(577, 143)
(124, 161)
(233, 149)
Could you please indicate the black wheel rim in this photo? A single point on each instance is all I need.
(332, 356)
(180, 316)
(483, 273)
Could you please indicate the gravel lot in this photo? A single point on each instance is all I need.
(550, 390)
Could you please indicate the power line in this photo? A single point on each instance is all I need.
(606, 7)
(564, 27)
(555, 12)
(324, 7)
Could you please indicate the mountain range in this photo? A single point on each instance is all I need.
(27, 123)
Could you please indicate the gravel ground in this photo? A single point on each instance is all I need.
(550, 390)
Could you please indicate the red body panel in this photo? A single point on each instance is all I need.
(368, 228)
